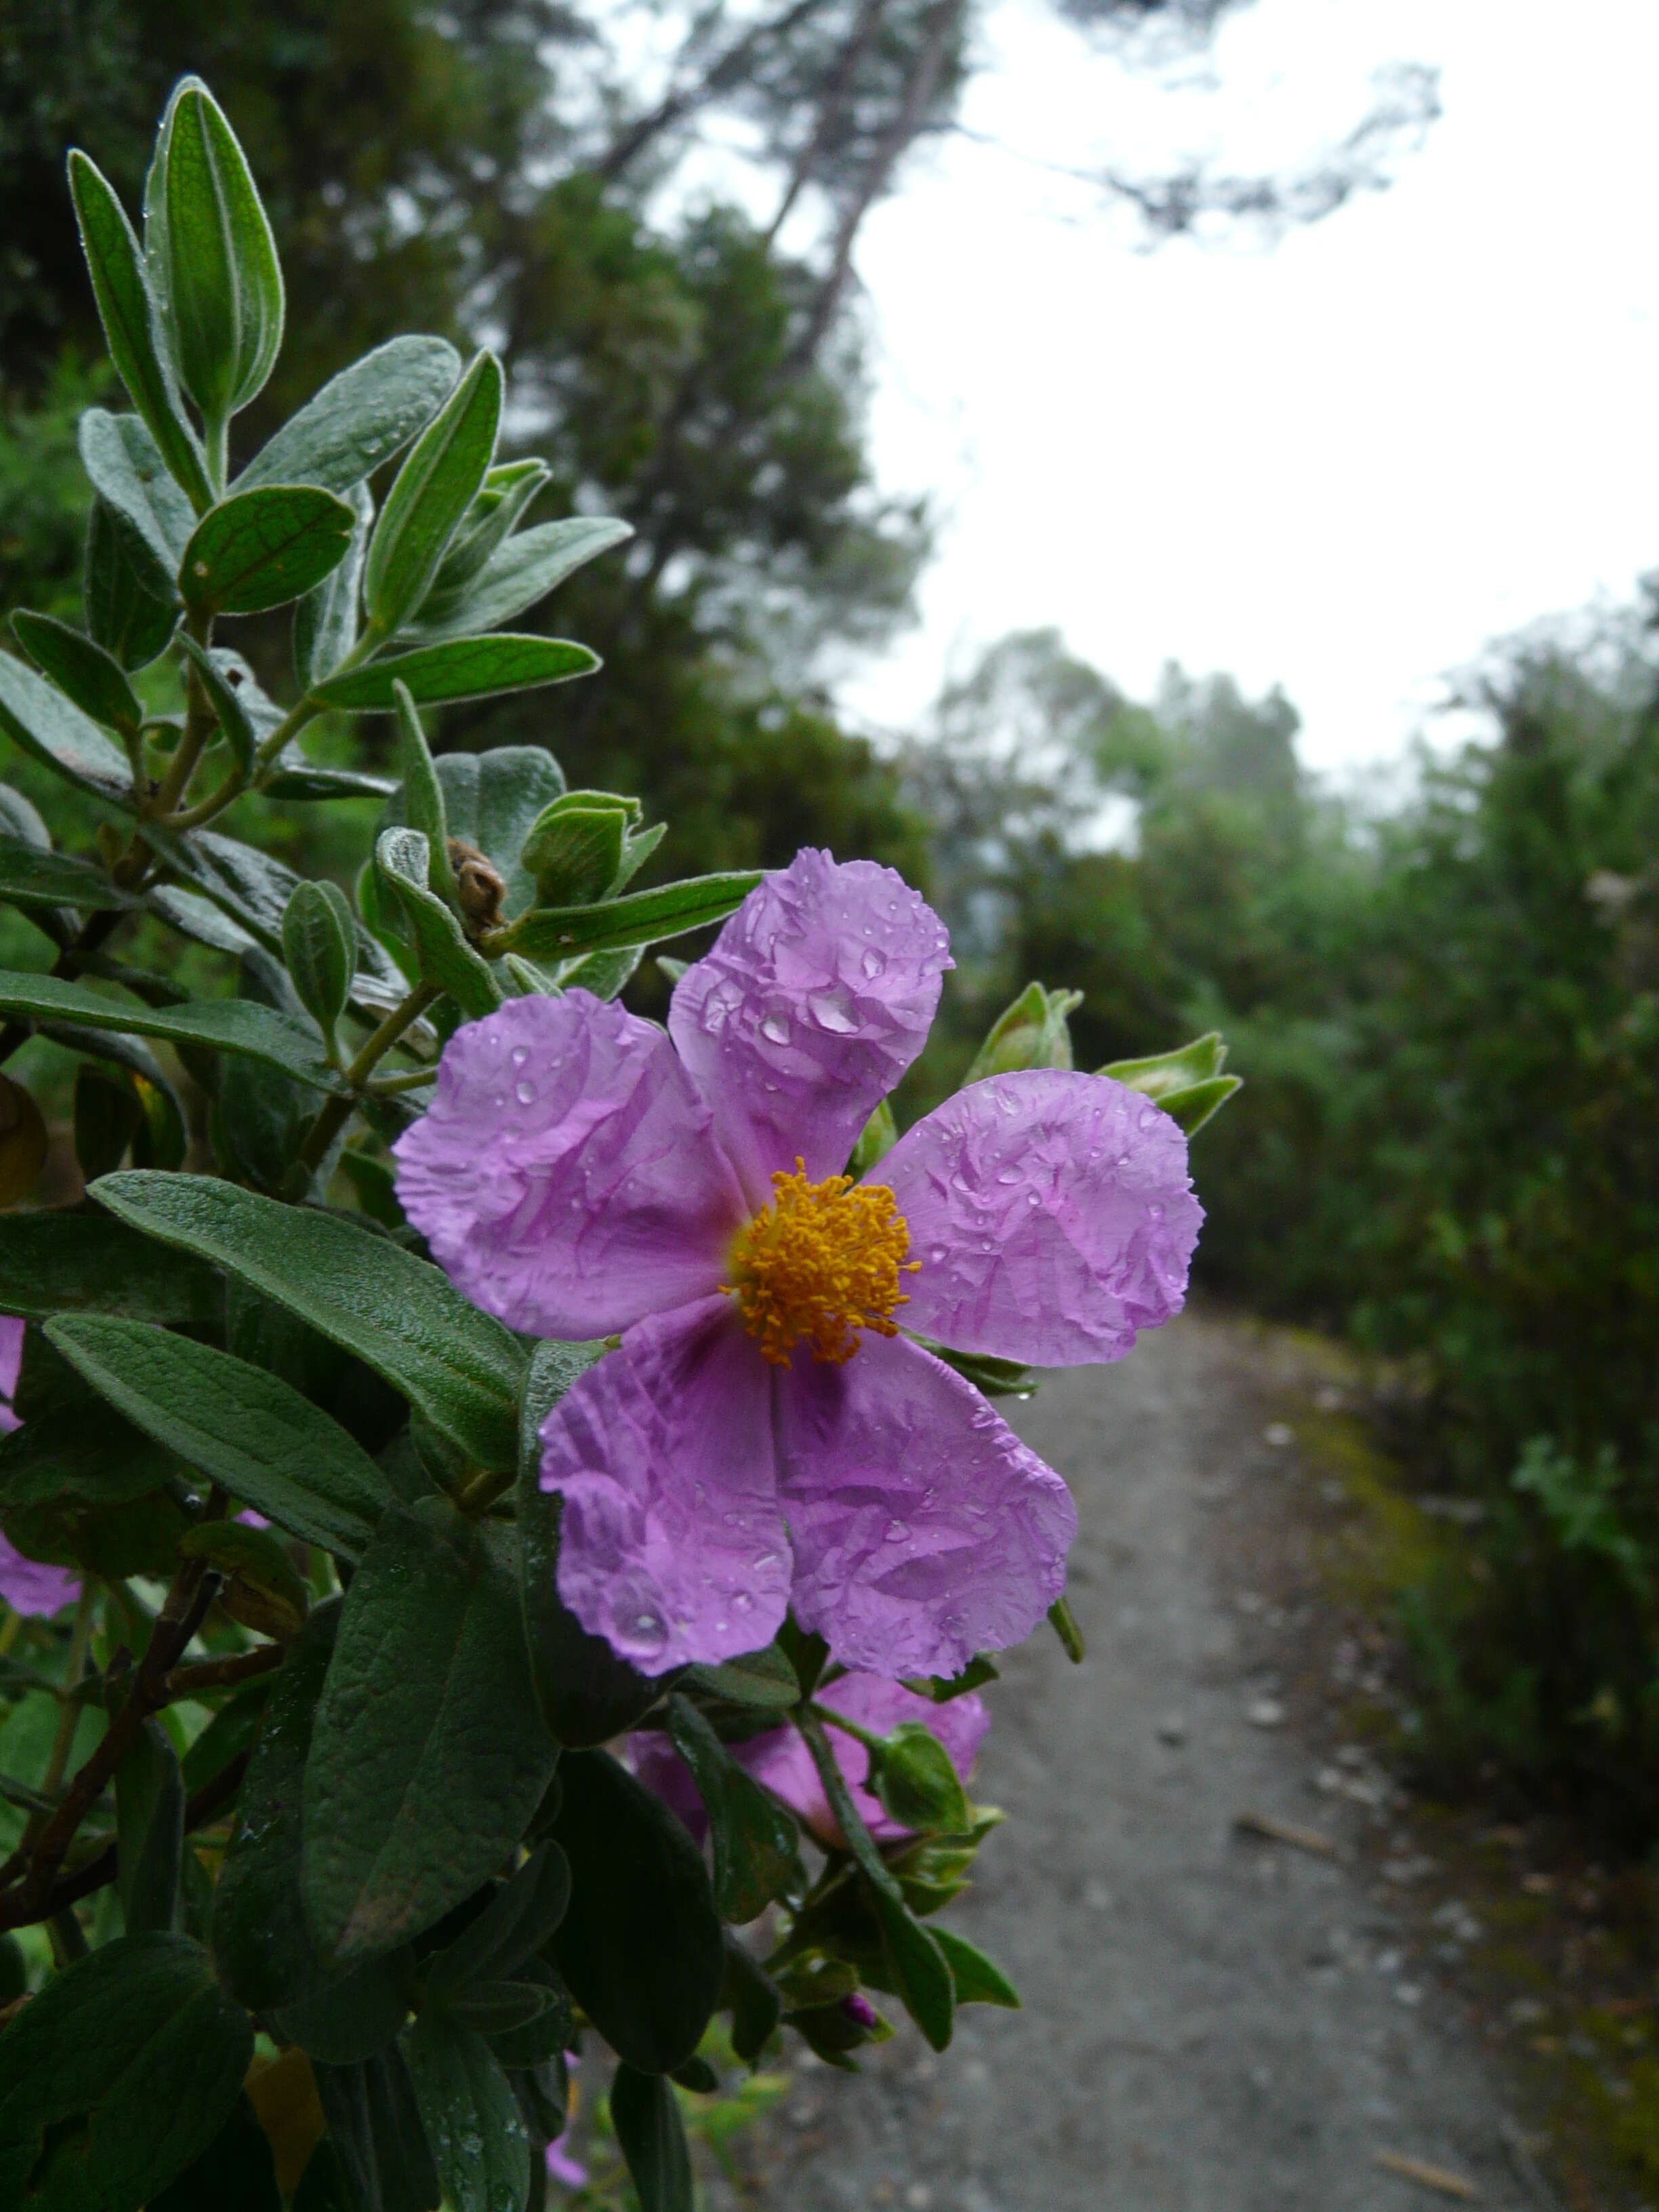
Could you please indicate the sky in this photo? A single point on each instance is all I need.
(1342, 463)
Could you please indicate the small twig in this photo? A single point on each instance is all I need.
(1285, 1831)
(1438, 2177)
(220, 1673)
(98, 1872)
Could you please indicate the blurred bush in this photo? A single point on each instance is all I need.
(1447, 1017)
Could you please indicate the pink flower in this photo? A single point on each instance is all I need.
(765, 1438)
(780, 1759)
(26, 1585)
(562, 2167)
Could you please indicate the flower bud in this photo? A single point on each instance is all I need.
(576, 849)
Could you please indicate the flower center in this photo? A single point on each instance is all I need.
(822, 1262)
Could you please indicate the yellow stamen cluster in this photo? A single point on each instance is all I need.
(822, 1262)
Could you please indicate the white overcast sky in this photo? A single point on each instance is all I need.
(1343, 463)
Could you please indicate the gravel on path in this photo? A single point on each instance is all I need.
(1214, 2021)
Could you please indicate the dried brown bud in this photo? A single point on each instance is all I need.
(478, 887)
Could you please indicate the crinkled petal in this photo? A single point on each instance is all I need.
(1052, 1214)
(818, 995)
(780, 1759)
(924, 1529)
(670, 1544)
(11, 1361)
(565, 1174)
(30, 1586)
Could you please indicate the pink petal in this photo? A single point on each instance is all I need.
(817, 996)
(782, 1762)
(11, 1362)
(924, 1529)
(565, 1175)
(1052, 1215)
(562, 2167)
(30, 1586)
(670, 1544)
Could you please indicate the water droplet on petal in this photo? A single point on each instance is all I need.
(832, 1010)
(897, 1531)
(775, 1029)
(520, 1053)
(936, 1253)
(873, 962)
(647, 1628)
(743, 1603)
(525, 1091)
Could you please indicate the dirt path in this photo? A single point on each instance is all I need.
(1212, 2023)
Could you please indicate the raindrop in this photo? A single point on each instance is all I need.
(897, 1531)
(936, 1253)
(498, 1102)
(1156, 1213)
(520, 1053)
(1010, 1175)
(743, 1603)
(832, 1010)
(873, 962)
(775, 1029)
(525, 1091)
(648, 1629)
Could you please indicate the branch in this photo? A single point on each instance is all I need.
(200, 1808)
(728, 71)
(942, 22)
(221, 1674)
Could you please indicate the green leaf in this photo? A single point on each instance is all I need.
(80, 1455)
(432, 492)
(491, 799)
(876, 1140)
(399, 1315)
(235, 725)
(640, 1945)
(235, 2171)
(75, 1261)
(422, 795)
(764, 1680)
(518, 1921)
(266, 1593)
(920, 1972)
(751, 1996)
(377, 2135)
(1200, 1061)
(127, 311)
(646, 2115)
(641, 918)
(516, 576)
(756, 1843)
(129, 2065)
(30, 878)
(942, 1688)
(1033, 1032)
(466, 668)
(445, 959)
(977, 1980)
(129, 597)
(261, 549)
(587, 1693)
(359, 418)
(574, 848)
(296, 776)
(428, 1756)
(472, 2119)
(252, 1432)
(319, 944)
(93, 678)
(219, 281)
(261, 1946)
(1191, 1108)
(506, 491)
(916, 1782)
(236, 1025)
(128, 472)
(325, 620)
(149, 1831)
(230, 1732)
(38, 716)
